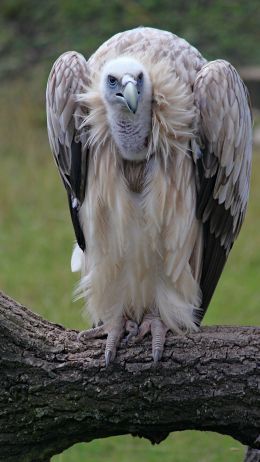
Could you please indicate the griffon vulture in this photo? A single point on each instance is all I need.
(153, 144)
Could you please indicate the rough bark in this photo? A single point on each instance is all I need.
(252, 455)
(55, 391)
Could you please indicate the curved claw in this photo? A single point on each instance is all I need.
(114, 332)
(113, 338)
(158, 331)
(157, 354)
(152, 323)
(132, 329)
(108, 357)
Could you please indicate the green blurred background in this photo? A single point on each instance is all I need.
(36, 234)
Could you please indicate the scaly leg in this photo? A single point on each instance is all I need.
(152, 323)
(114, 332)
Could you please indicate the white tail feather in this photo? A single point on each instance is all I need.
(76, 259)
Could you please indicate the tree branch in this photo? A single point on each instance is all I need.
(252, 455)
(55, 391)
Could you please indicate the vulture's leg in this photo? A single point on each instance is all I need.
(114, 332)
(153, 323)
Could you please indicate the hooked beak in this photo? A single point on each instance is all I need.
(130, 96)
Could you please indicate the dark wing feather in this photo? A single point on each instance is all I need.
(225, 132)
(67, 79)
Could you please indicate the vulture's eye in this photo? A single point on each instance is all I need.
(140, 77)
(112, 81)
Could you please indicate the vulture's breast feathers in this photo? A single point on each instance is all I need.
(139, 202)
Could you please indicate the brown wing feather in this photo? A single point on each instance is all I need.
(68, 141)
(225, 130)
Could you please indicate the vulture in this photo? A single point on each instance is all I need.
(153, 144)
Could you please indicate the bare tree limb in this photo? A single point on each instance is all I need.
(55, 391)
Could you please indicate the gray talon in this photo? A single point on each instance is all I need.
(108, 356)
(153, 324)
(128, 338)
(114, 332)
(157, 355)
(132, 329)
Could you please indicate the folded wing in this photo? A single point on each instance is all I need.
(223, 168)
(68, 140)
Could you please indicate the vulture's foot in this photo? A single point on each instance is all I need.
(152, 323)
(114, 331)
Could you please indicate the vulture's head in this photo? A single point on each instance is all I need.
(126, 90)
(125, 84)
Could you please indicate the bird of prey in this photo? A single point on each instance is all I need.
(153, 144)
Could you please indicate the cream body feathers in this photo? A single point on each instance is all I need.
(157, 193)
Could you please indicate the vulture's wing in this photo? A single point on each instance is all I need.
(223, 170)
(67, 79)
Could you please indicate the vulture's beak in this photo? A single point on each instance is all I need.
(130, 95)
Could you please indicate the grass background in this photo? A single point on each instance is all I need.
(35, 248)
